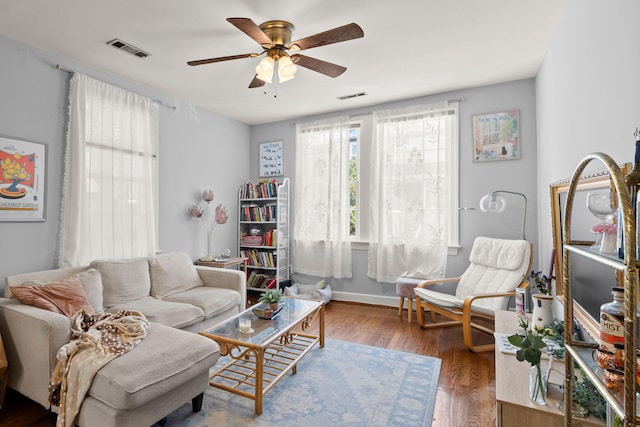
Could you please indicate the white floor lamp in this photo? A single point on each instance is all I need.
(495, 203)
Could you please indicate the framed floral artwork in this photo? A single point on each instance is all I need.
(22, 180)
(496, 136)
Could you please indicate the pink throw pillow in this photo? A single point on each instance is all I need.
(64, 297)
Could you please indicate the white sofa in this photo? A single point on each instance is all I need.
(167, 367)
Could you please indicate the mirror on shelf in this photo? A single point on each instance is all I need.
(593, 204)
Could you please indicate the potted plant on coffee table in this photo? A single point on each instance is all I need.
(271, 298)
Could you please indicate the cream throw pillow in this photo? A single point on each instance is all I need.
(123, 280)
(171, 273)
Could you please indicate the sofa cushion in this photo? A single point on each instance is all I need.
(92, 283)
(212, 301)
(162, 361)
(171, 273)
(64, 297)
(174, 314)
(123, 280)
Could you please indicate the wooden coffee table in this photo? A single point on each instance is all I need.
(259, 359)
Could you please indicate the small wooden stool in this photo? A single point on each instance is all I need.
(404, 289)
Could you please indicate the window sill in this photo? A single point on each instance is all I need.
(364, 246)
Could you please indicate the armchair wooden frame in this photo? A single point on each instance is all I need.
(464, 315)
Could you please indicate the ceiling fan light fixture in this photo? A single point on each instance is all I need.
(286, 69)
(264, 70)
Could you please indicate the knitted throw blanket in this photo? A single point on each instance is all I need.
(95, 340)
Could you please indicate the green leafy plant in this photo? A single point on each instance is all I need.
(586, 395)
(543, 283)
(271, 296)
(586, 398)
(531, 345)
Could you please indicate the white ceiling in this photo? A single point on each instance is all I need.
(410, 48)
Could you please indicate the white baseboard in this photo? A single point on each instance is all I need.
(391, 301)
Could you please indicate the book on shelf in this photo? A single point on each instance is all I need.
(264, 189)
(259, 258)
(260, 280)
(252, 241)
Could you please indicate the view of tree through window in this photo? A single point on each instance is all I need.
(354, 180)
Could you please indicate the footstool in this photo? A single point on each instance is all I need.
(165, 370)
(404, 289)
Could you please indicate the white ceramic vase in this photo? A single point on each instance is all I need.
(542, 314)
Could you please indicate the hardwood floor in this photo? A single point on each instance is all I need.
(466, 390)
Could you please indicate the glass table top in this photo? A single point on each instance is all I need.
(263, 330)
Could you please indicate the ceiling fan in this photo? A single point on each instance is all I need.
(275, 39)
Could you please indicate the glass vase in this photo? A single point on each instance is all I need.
(537, 385)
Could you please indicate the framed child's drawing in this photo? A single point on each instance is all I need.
(271, 159)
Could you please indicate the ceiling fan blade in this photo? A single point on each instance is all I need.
(222, 58)
(256, 82)
(336, 35)
(250, 28)
(324, 67)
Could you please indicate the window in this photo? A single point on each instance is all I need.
(360, 142)
(354, 181)
(110, 180)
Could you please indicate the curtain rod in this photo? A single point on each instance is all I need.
(157, 101)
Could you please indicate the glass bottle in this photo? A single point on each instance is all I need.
(612, 321)
(632, 181)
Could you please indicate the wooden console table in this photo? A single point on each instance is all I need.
(513, 406)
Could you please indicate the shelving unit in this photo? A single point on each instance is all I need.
(263, 207)
(580, 352)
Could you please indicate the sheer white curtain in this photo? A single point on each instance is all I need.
(321, 233)
(109, 186)
(409, 204)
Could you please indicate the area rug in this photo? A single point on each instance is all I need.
(342, 384)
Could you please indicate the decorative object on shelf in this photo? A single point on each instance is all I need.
(210, 222)
(599, 203)
(496, 136)
(606, 242)
(494, 203)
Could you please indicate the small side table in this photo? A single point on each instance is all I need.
(225, 263)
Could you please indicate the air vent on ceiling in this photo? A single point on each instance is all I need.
(354, 95)
(129, 48)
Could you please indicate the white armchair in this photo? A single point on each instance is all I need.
(497, 267)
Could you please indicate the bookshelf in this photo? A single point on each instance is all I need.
(263, 232)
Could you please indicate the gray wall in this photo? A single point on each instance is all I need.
(476, 179)
(587, 92)
(198, 150)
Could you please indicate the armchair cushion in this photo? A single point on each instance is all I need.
(498, 253)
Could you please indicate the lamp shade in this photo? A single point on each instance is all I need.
(286, 69)
(264, 70)
(493, 203)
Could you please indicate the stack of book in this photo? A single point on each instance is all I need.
(264, 189)
(260, 280)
